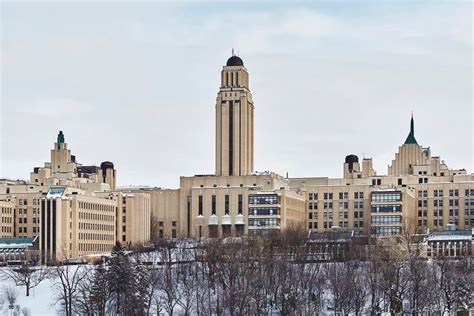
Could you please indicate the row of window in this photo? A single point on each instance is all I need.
(6, 220)
(264, 211)
(36, 210)
(96, 217)
(94, 247)
(6, 229)
(386, 219)
(161, 224)
(386, 196)
(452, 212)
(264, 199)
(329, 224)
(6, 210)
(226, 204)
(386, 230)
(343, 215)
(342, 195)
(440, 193)
(91, 236)
(96, 206)
(259, 222)
(93, 226)
(342, 205)
(386, 208)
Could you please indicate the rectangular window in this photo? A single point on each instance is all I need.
(240, 207)
(226, 205)
(213, 205)
(200, 205)
(231, 138)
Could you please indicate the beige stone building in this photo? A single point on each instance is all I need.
(220, 204)
(64, 170)
(74, 224)
(7, 208)
(133, 217)
(432, 195)
(234, 121)
(418, 193)
(77, 210)
(72, 209)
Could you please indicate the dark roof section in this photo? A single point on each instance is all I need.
(234, 61)
(107, 165)
(351, 158)
(87, 169)
(17, 241)
(411, 137)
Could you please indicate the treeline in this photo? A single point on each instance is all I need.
(262, 275)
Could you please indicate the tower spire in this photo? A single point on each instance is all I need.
(60, 139)
(411, 137)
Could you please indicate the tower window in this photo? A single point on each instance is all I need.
(226, 205)
(231, 138)
(200, 205)
(213, 205)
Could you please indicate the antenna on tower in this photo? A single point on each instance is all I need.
(233, 52)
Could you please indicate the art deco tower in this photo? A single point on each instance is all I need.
(234, 121)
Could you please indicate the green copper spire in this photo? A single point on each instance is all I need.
(60, 138)
(411, 137)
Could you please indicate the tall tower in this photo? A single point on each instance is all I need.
(61, 159)
(234, 121)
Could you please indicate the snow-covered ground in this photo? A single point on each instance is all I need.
(40, 302)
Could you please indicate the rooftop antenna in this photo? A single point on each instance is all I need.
(233, 52)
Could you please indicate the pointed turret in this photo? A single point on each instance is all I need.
(411, 137)
(60, 139)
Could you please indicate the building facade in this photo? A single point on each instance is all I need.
(7, 226)
(78, 210)
(234, 121)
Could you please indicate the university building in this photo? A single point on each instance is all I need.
(419, 193)
(73, 209)
(78, 210)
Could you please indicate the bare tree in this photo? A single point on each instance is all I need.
(455, 279)
(154, 229)
(67, 279)
(187, 279)
(27, 275)
(11, 294)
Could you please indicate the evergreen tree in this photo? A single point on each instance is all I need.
(123, 278)
(99, 292)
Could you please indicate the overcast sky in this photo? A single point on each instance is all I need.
(135, 83)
